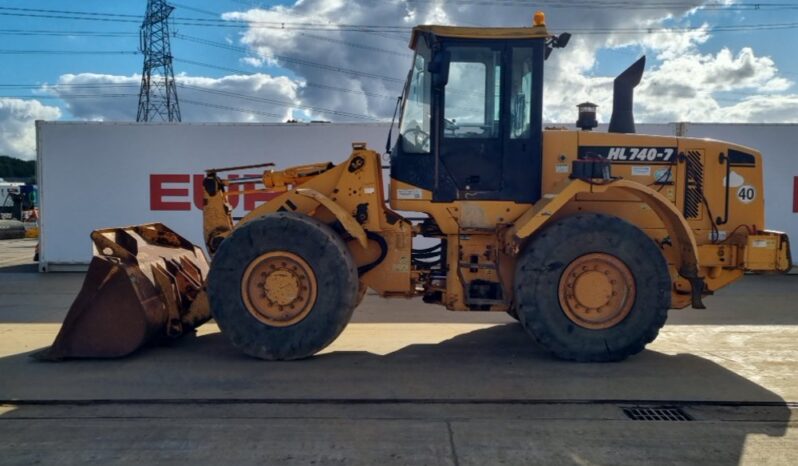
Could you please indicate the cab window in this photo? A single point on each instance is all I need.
(473, 93)
(521, 93)
(414, 129)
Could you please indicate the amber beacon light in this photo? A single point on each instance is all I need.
(539, 19)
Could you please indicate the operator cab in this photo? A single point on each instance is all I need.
(470, 126)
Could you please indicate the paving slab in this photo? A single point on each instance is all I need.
(622, 442)
(245, 441)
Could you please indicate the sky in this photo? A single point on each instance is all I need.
(345, 60)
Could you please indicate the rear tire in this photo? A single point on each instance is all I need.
(302, 315)
(574, 255)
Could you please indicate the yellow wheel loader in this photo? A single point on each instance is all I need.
(586, 238)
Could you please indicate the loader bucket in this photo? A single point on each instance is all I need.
(145, 284)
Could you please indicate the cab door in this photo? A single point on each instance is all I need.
(522, 140)
(488, 122)
(470, 129)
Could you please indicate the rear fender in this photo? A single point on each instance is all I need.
(680, 233)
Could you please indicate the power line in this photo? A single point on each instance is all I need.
(198, 10)
(581, 4)
(46, 87)
(218, 92)
(327, 27)
(109, 17)
(72, 12)
(686, 29)
(321, 27)
(308, 84)
(101, 85)
(185, 101)
(292, 60)
(45, 13)
(106, 85)
(350, 91)
(68, 52)
(234, 109)
(284, 58)
(45, 32)
(78, 96)
(255, 98)
(616, 4)
(593, 31)
(370, 48)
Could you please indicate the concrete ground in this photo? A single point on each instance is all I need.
(406, 383)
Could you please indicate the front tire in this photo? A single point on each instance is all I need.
(282, 286)
(592, 287)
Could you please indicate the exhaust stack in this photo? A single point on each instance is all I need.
(623, 120)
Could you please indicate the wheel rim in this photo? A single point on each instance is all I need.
(279, 288)
(597, 291)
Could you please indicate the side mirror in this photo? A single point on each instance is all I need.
(562, 40)
(439, 67)
(556, 42)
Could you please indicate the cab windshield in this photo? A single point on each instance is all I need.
(414, 128)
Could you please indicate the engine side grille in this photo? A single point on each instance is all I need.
(694, 189)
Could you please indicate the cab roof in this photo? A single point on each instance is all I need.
(531, 32)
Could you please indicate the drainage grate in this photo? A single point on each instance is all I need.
(656, 414)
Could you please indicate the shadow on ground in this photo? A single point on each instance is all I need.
(497, 366)
(20, 268)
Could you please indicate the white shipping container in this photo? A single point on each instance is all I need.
(99, 174)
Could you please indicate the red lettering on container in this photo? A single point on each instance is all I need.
(795, 194)
(199, 191)
(158, 192)
(196, 193)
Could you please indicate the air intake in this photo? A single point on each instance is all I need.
(623, 120)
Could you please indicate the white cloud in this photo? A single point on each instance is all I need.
(669, 43)
(764, 109)
(17, 129)
(681, 82)
(253, 61)
(692, 86)
(242, 98)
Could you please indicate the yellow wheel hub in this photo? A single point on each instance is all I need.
(597, 291)
(279, 288)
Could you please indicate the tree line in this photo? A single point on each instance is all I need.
(14, 169)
